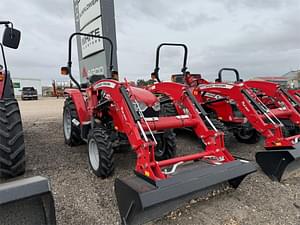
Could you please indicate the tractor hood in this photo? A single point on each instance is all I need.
(142, 95)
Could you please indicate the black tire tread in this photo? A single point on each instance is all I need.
(167, 108)
(12, 146)
(75, 138)
(220, 126)
(106, 152)
(170, 145)
(252, 140)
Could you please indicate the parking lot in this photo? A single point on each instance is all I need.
(82, 198)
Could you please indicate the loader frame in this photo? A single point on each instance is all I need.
(284, 154)
(223, 100)
(156, 182)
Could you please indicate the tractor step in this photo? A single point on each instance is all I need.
(26, 202)
(141, 200)
(279, 164)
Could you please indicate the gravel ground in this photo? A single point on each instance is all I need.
(82, 198)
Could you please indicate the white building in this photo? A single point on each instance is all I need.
(19, 83)
(293, 78)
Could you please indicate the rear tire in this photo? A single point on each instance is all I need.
(168, 108)
(220, 126)
(12, 147)
(166, 145)
(72, 132)
(100, 152)
(249, 136)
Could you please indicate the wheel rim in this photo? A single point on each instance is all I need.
(94, 154)
(67, 123)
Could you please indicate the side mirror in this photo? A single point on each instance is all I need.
(11, 38)
(64, 71)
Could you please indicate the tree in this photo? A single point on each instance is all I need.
(143, 83)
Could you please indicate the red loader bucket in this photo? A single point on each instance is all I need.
(279, 164)
(26, 202)
(141, 200)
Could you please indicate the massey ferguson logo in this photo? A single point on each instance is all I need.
(105, 84)
(211, 95)
(226, 86)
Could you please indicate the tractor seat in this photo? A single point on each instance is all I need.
(95, 78)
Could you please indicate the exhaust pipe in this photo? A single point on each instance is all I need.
(26, 202)
(141, 200)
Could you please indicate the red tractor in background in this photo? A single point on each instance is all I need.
(283, 104)
(107, 113)
(242, 112)
(296, 94)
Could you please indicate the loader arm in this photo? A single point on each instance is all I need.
(153, 184)
(275, 91)
(126, 115)
(182, 98)
(246, 102)
(112, 108)
(281, 162)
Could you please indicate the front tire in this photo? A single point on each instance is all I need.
(100, 152)
(219, 125)
(247, 136)
(166, 145)
(72, 132)
(12, 147)
(167, 107)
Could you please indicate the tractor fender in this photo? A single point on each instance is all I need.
(6, 87)
(80, 104)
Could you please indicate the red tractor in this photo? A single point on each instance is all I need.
(108, 113)
(12, 147)
(25, 201)
(283, 104)
(236, 104)
(240, 109)
(296, 94)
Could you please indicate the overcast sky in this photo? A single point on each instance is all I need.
(259, 37)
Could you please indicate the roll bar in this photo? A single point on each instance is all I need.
(70, 53)
(184, 68)
(237, 74)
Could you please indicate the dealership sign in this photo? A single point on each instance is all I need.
(90, 45)
(88, 11)
(94, 17)
(89, 19)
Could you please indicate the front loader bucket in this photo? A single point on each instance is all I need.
(279, 164)
(140, 200)
(27, 202)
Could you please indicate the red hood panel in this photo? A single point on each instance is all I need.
(142, 95)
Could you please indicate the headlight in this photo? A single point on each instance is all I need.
(156, 107)
(140, 105)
